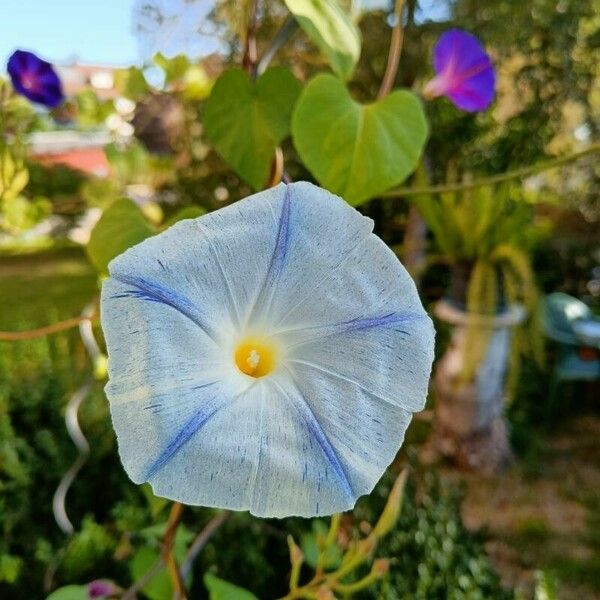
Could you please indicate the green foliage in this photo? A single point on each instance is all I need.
(433, 555)
(332, 31)
(221, 590)
(91, 545)
(174, 68)
(159, 586)
(13, 174)
(20, 214)
(189, 212)
(10, 566)
(92, 110)
(309, 542)
(355, 150)
(246, 121)
(488, 229)
(545, 586)
(132, 83)
(121, 226)
(70, 592)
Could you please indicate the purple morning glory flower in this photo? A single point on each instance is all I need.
(100, 589)
(35, 78)
(464, 72)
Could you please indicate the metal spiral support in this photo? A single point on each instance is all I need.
(72, 423)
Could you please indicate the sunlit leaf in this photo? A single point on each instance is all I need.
(310, 547)
(188, 212)
(131, 83)
(222, 590)
(246, 121)
(159, 587)
(174, 68)
(69, 592)
(121, 226)
(355, 150)
(330, 28)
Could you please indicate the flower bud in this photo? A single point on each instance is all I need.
(391, 512)
(380, 567)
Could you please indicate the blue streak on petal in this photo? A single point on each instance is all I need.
(370, 322)
(278, 259)
(316, 433)
(183, 436)
(390, 320)
(155, 292)
(283, 239)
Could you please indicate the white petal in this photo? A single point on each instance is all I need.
(372, 331)
(364, 431)
(161, 366)
(216, 263)
(262, 452)
(318, 234)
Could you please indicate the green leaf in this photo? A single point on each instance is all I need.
(331, 29)
(69, 592)
(121, 226)
(159, 587)
(174, 68)
(246, 121)
(222, 590)
(132, 83)
(309, 543)
(188, 212)
(355, 150)
(127, 164)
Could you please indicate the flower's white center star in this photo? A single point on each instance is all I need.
(256, 357)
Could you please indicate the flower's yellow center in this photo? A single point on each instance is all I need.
(256, 357)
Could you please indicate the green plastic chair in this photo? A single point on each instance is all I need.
(576, 330)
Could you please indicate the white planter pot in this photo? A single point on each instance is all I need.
(469, 421)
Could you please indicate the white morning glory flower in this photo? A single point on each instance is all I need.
(265, 357)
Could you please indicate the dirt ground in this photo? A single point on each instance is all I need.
(544, 513)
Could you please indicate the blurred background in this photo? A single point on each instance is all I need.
(503, 499)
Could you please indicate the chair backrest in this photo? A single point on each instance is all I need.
(559, 312)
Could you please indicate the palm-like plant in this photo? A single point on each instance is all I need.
(485, 234)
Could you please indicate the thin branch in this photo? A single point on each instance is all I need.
(394, 52)
(202, 539)
(281, 37)
(13, 336)
(180, 592)
(250, 55)
(521, 173)
(148, 576)
(276, 173)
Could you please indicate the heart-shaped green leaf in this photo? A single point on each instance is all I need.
(355, 150)
(121, 226)
(223, 590)
(246, 121)
(331, 29)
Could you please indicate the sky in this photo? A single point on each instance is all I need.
(97, 31)
(59, 30)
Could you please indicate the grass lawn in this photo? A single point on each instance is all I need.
(40, 289)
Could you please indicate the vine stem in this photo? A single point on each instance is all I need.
(250, 54)
(13, 336)
(403, 192)
(281, 37)
(202, 539)
(394, 52)
(175, 515)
